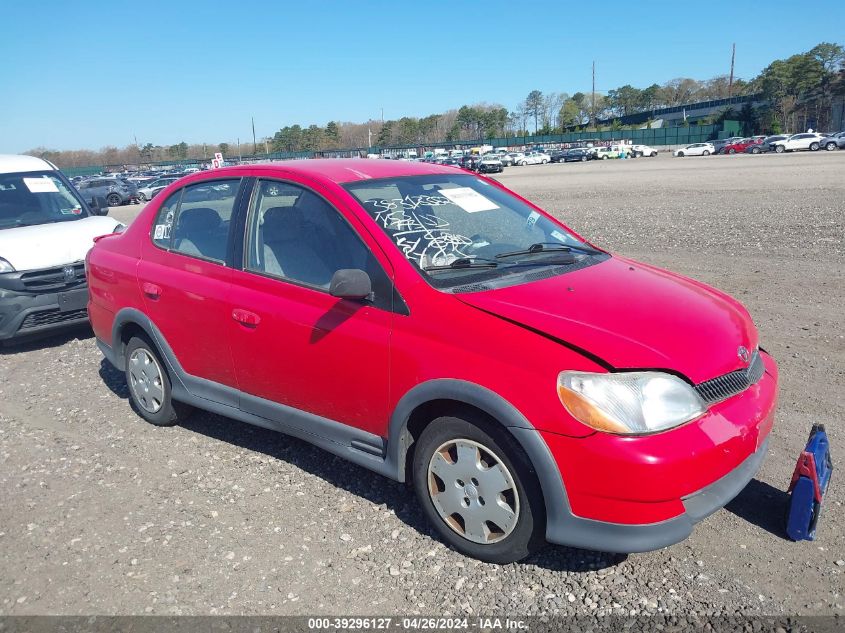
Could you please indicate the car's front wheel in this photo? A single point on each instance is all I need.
(149, 385)
(583, 159)
(680, 154)
(814, 147)
(780, 149)
(476, 487)
(142, 197)
(114, 200)
(830, 146)
(653, 154)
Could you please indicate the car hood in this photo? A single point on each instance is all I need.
(631, 316)
(45, 245)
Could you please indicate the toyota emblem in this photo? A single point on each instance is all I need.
(742, 352)
(70, 273)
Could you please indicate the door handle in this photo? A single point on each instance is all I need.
(245, 317)
(151, 290)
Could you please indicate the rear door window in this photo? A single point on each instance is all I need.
(196, 220)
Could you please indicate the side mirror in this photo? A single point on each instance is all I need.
(99, 205)
(351, 283)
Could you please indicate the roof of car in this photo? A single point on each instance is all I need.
(351, 169)
(10, 163)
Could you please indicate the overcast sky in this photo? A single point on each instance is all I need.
(88, 74)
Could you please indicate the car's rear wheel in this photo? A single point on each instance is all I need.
(830, 146)
(814, 147)
(653, 154)
(477, 488)
(149, 385)
(732, 151)
(680, 154)
(583, 159)
(705, 153)
(114, 200)
(755, 150)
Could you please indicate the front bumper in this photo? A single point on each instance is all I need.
(27, 314)
(631, 494)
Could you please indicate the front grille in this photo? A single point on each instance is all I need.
(52, 279)
(723, 387)
(55, 316)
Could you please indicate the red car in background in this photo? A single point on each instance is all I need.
(741, 146)
(434, 327)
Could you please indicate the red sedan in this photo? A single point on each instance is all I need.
(436, 328)
(742, 145)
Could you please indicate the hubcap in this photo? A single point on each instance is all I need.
(145, 380)
(473, 491)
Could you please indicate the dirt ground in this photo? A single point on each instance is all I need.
(102, 513)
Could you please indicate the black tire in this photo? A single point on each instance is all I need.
(680, 154)
(170, 411)
(779, 149)
(755, 150)
(730, 151)
(814, 147)
(830, 146)
(654, 154)
(705, 153)
(583, 159)
(142, 197)
(114, 200)
(526, 535)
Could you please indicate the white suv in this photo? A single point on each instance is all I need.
(806, 140)
(46, 230)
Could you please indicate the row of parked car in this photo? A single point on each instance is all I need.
(778, 143)
(126, 188)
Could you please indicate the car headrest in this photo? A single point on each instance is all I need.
(198, 220)
(282, 223)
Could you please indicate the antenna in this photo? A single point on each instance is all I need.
(731, 80)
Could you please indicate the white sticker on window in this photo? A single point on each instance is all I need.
(559, 236)
(532, 219)
(41, 185)
(469, 199)
(162, 232)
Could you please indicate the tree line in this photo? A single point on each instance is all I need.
(795, 90)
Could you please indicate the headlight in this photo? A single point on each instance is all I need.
(6, 267)
(628, 402)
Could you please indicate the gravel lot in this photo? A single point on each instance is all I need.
(103, 513)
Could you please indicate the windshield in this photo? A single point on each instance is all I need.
(446, 220)
(37, 197)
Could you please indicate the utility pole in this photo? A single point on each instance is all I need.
(731, 80)
(254, 147)
(593, 102)
(239, 151)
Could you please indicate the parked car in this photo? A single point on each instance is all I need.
(741, 145)
(579, 154)
(804, 141)
(490, 164)
(540, 158)
(696, 149)
(115, 191)
(46, 228)
(643, 150)
(603, 153)
(833, 141)
(766, 145)
(556, 155)
(440, 359)
(719, 144)
(148, 191)
(506, 158)
(519, 158)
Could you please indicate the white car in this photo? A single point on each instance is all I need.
(46, 229)
(696, 149)
(643, 150)
(805, 140)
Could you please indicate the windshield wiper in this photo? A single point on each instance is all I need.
(546, 247)
(465, 262)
